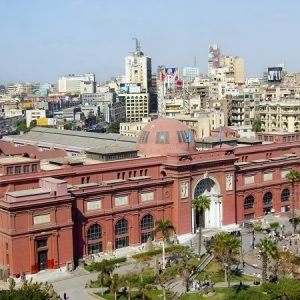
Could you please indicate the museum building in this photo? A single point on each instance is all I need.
(55, 211)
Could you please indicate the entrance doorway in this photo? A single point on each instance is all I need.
(43, 260)
(212, 217)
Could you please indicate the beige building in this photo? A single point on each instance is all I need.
(137, 106)
(34, 114)
(133, 129)
(281, 115)
(202, 122)
(235, 65)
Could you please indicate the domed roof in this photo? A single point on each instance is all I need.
(165, 136)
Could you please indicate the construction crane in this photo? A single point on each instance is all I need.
(137, 45)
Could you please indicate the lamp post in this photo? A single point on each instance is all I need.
(163, 255)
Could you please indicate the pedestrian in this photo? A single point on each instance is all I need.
(290, 242)
(65, 296)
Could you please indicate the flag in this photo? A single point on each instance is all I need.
(188, 137)
(220, 136)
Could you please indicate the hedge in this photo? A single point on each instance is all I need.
(109, 262)
(149, 254)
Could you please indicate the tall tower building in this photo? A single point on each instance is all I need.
(138, 68)
(140, 98)
(213, 58)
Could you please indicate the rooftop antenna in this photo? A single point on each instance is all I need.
(137, 45)
(195, 61)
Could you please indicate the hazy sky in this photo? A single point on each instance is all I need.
(43, 39)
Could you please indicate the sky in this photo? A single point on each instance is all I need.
(44, 39)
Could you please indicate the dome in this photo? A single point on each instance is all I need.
(165, 136)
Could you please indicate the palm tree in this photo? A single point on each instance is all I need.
(104, 270)
(268, 249)
(226, 249)
(164, 226)
(200, 204)
(114, 285)
(293, 176)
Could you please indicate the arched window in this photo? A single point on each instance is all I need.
(249, 202)
(147, 222)
(121, 227)
(94, 236)
(94, 232)
(285, 195)
(147, 228)
(267, 200)
(121, 234)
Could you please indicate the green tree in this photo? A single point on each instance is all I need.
(104, 270)
(31, 290)
(256, 125)
(114, 127)
(293, 176)
(164, 226)
(226, 249)
(200, 204)
(286, 288)
(268, 249)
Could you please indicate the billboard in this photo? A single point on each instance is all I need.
(39, 92)
(169, 74)
(130, 88)
(275, 74)
(179, 85)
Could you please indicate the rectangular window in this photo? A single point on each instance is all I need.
(95, 248)
(121, 200)
(93, 205)
(41, 219)
(10, 171)
(26, 169)
(17, 169)
(249, 216)
(34, 168)
(268, 176)
(41, 243)
(147, 196)
(146, 235)
(284, 173)
(249, 179)
(122, 242)
(284, 208)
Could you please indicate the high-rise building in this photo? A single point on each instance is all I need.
(138, 69)
(235, 65)
(138, 87)
(189, 74)
(213, 58)
(76, 83)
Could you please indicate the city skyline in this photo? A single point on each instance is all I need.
(42, 42)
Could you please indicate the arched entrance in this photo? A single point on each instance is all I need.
(212, 218)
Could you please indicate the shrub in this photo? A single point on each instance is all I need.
(274, 225)
(257, 228)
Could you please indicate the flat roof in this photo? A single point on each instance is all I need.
(111, 150)
(214, 139)
(69, 139)
(53, 180)
(31, 192)
(16, 159)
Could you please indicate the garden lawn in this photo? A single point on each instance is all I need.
(222, 293)
(215, 272)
